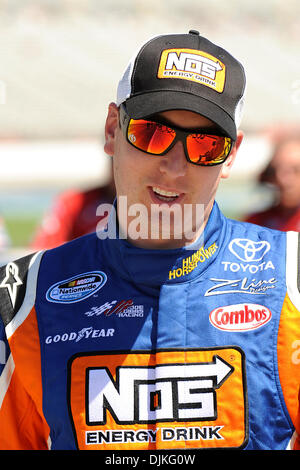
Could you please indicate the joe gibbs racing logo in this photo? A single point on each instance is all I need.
(121, 308)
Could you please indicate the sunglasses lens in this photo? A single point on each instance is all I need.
(156, 138)
(204, 149)
(150, 136)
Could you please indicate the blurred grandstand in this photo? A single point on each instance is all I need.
(60, 64)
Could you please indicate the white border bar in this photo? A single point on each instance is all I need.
(292, 268)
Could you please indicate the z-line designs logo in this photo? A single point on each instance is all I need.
(241, 286)
(193, 65)
(171, 399)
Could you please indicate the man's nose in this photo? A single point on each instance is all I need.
(174, 163)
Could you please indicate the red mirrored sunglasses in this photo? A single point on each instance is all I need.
(202, 147)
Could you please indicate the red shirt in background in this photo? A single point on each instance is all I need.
(277, 218)
(73, 215)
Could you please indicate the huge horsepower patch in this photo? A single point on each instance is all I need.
(171, 399)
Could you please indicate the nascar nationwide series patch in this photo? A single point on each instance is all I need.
(76, 288)
(171, 399)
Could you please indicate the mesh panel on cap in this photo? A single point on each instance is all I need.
(239, 110)
(124, 85)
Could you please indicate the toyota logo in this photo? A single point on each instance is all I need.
(248, 250)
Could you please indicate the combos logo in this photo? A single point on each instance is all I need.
(240, 317)
(76, 288)
(193, 65)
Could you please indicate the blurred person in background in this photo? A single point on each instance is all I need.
(73, 214)
(283, 174)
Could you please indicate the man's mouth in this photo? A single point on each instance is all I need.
(163, 195)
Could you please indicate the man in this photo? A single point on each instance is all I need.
(177, 332)
(283, 173)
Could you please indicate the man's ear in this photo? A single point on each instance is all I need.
(230, 160)
(111, 126)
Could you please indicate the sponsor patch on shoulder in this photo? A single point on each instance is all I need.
(76, 288)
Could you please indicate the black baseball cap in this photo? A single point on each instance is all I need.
(186, 72)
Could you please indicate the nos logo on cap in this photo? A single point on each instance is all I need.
(193, 65)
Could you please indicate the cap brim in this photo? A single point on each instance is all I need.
(146, 104)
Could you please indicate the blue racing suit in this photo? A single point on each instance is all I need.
(108, 346)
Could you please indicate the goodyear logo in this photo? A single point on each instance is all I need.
(192, 65)
(190, 263)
